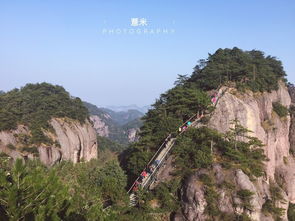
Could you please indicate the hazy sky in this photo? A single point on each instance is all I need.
(77, 44)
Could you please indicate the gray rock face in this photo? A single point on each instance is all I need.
(49, 155)
(292, 135)
(77, 142)
(132, 134)
(100, 126)
(255, 112)
(193, 198)
(244, 183)
(292, 127)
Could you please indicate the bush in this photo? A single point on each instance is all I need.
(11, 146)
(246, 196)
(269, 207)
(281, 110)
(33, 150)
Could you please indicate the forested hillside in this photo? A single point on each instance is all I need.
(34, 105)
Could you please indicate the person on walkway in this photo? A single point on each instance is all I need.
(157, 162)
(189, 123)
(135, 188)
(202, 114)
(179, 130)
(143, 174)
(149, 170)
(213, 99)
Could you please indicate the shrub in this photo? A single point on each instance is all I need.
(33, 150)
(11, 146)
(291, 212)
(281, 110)
(269, 207)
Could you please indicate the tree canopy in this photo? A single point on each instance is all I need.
(250, 69)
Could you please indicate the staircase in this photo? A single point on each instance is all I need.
(163, 153)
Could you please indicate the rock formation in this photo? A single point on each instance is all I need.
(77, 142)
(100, 126)
(255, 112)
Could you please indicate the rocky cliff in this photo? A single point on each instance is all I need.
(72, 141)
(101, 127)
(255, 112)
(105, 127)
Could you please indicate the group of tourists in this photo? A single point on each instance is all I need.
(148, 171)
(184, 127)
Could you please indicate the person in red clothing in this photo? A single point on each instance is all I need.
(143, 174)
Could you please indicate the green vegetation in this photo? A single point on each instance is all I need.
(31, 149)
(246, 197)
(11, 146)
(281, 110)
(29, 195)
(197, 147)
(193, 149)
(270, 205)
(34, 105)
(165, 194)
(211, 196)
(249, 69)
(106, 144)
(291, 212)
(65, 192)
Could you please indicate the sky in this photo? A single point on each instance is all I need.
(129, 52)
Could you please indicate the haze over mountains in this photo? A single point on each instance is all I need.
(120, 127)
(142, 109)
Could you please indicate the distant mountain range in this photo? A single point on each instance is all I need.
(123, 117)
(120, 127)
(143, 109)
